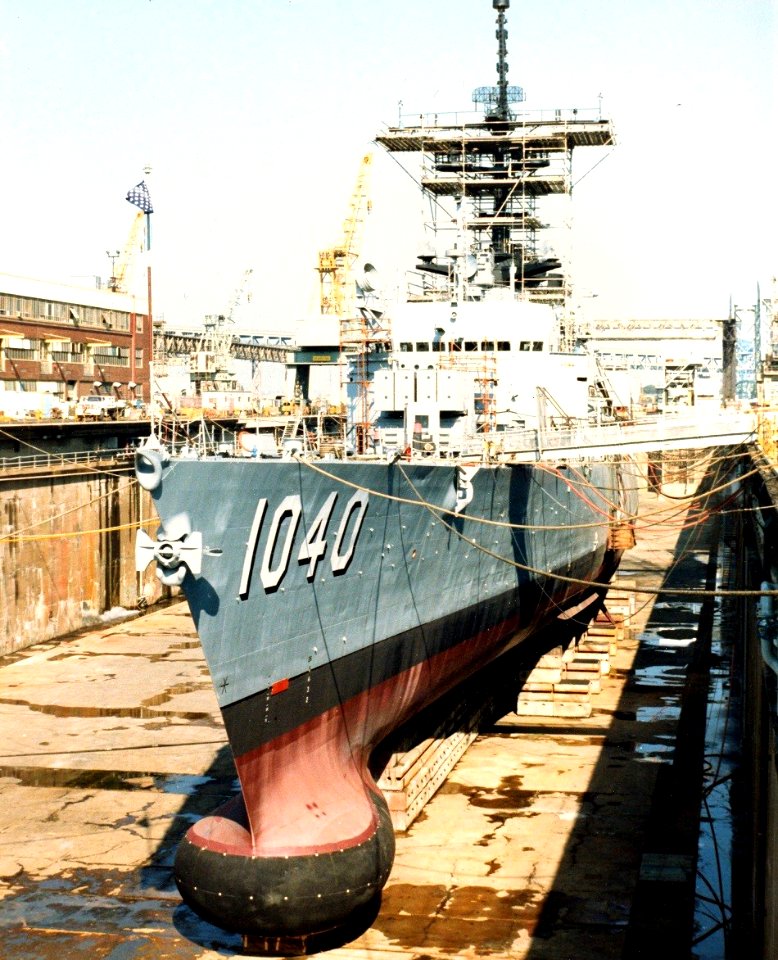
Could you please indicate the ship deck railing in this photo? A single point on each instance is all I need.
(693, 429)
(465, 118)
(75, 458)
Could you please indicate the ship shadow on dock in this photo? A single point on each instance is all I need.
(597, 822)
(214, 787)
(625, 884)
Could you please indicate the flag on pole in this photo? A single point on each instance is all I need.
(139, 195)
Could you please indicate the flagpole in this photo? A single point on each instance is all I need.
(151, 328)
(150, 338)
(139, 197)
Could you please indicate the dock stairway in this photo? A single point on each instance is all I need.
(563, 681)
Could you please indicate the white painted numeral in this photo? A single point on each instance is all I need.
(356, 505)
(286, 520)
(290, 508)
(314, 546)
(251, 548)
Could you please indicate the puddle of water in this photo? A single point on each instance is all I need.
(106, 779)
(678, 607)
(661, 675)
(669, 637)
(79, 903)
(667, 711)
(713, 904)
(656, 752)
(149, 710)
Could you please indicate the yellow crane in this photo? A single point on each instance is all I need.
(124, 266)
(335, 263)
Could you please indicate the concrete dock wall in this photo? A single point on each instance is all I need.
(755, 901)
(67, 539)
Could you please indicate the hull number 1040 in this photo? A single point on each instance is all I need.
(282, 536)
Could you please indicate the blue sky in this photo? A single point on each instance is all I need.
(253, 115)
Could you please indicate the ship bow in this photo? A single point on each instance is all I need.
(298, 895)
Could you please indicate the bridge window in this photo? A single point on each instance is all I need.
(537, 344)
(487, 345)
(524, 345)
(406, 347)
(503, 344)
(422, 347)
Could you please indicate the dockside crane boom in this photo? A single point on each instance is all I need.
(123, 272)
(336, 263)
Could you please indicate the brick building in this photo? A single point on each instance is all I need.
(69, 341)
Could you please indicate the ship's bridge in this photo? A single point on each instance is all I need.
(500, 317)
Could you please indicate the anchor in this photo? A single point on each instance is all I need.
(177, 549)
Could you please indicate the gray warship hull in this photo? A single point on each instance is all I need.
(333, 601)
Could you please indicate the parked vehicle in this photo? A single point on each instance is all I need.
(100, 407)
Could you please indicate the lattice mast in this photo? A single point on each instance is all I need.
(496, 102)
(497, 169)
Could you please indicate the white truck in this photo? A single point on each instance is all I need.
(100, 407)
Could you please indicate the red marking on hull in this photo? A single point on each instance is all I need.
(308, 790)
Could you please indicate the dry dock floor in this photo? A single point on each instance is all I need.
(111, 744)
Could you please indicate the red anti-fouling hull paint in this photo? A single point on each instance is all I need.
(310, 840)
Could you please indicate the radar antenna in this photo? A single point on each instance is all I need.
(496, 100)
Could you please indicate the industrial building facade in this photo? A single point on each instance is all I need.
(66, 342)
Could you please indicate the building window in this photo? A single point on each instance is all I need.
(139, 357)
(62, 352)
(20, 348)
(138, 324)
(108, 355)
